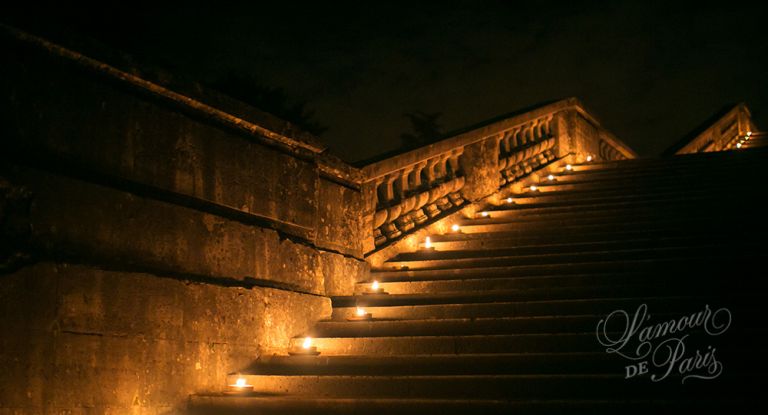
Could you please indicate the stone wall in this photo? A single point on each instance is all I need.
(81, 340)
(148, 247)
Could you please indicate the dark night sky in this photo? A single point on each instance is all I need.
(650, 71)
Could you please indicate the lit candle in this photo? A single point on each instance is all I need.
(240, 386)
(484, 214)
(738, 145)
(428, 243)
(375, 289)
(749, 133)
(534, 188)
(509, 200)
(455, 227)
(306, 348)
(360, 315)
(550, 177)
(568, 167)
(589, 158)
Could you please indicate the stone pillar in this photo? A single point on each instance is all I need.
(480, 164)
(369, 209)
(564, 140)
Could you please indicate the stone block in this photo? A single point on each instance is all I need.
(480, 164)
(339, 218)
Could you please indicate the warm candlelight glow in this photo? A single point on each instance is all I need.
(240, 386)
(589, 158)
(360, 312)
(550, 177)
(509, 200)
(534, 188)
(375, 285)
(307, 343)
(749, 133)
(738, 145)
(428, 242)
(455, 227)
(568, 167)
(484, 214)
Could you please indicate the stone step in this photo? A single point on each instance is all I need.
(473, 283)
(381, 309)
(607, 210)
(458, 344)
(451, 327)
(440, 260)
(554, 235)
(700, 160)
(729, 192)
(748, 317)
(446, 364)
(614, 289)
(620, 186)
(665, 266)
(264, 404)
(530, 205)
(511, 247)
(670, 174)
(576, 386)
(586, 198)
(672, 215)
(672, 168)
(601, 229)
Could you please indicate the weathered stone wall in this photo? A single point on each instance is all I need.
(80, 340)
(148, 250)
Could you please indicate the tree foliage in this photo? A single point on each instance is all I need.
(425, 129)
(273, 100)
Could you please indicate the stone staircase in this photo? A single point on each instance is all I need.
(502, 316)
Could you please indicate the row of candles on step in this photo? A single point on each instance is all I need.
(745, 138)
(485, 214)
(306, 348)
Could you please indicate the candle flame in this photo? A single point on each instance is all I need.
(485, 214)
(307, 342)
(455, 227)
(534, 188)
(550, 177)
(360, 312)
(375, 285)
(589, 158)
(428, 242)
(240, 382)
(568, 167)
(509, 200)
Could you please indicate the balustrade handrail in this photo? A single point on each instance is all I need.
(718, 135)
(401, 161)
(409, 190)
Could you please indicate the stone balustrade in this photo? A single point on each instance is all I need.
(522, 149)
(410, 196)
(410, 190)
(719, 133)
